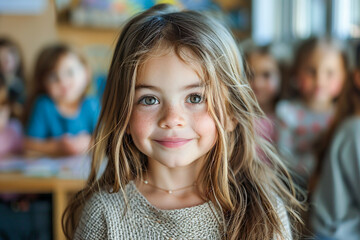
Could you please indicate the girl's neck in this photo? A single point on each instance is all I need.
(319, 106)
(167, 188)
(171, 178)
(68, 108)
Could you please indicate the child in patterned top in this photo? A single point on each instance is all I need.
(62, 118)
(320, 69)
(177, 134)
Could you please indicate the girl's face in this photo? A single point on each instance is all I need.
(266, 82)
(68, 81)
(8, 61)
(321, 77)
(170, 122)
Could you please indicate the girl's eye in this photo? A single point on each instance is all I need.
(148, 100)
(52, 78)
(311, 71)
(195, 98)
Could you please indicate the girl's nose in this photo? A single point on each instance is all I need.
(172, 118)
(65, 81)
(321, 80)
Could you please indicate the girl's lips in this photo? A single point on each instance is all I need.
(173, 143)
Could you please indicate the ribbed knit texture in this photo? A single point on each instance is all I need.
(103, 218)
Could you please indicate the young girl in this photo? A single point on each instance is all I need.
(319, 71)
(265, 83)
(177, 131)
(11, 70)
(62, 117)
(10, 129)
(336, 199)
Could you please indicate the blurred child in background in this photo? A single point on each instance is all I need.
(10, 129)
(336, 199)
(265, 82)
(11, 70)
(62, 117)
(320, 69)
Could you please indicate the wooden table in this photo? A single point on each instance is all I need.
(58, 187)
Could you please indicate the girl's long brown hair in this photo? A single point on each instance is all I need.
(347, 105)
(242, 187)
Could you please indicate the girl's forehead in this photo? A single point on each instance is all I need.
(322, 54)
(258, 58)
(186, 55)
(67, 59)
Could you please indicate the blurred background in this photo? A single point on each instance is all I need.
(36, 185)
(93, 25)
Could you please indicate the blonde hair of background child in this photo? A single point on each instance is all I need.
(46, 62)
(232, 177)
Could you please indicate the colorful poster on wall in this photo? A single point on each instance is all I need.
(22, 7)
(112, 13)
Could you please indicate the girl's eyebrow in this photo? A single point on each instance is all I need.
(187, 87)
(141, 86)
(196, 85)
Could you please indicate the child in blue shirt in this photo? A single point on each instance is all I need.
(62, 117)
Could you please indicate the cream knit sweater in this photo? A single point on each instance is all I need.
(103, 218)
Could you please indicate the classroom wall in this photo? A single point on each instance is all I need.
(31, 32)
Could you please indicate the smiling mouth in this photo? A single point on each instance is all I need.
(173, 143)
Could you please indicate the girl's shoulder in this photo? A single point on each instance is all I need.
(103, 206)
(42, 101)
(108, 198)
(90, 99)
(284, 218)
(351, 126)
(90, 103)
(348, 131)
(288, 111)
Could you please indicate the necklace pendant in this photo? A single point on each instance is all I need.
(170, 192)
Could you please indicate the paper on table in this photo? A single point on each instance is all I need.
(77, 167)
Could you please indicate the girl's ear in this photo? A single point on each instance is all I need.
(357, 79)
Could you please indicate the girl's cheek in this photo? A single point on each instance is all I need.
(51, 90)
(141, 120)
(335, 87)
(274, 87)
(305, 85)
(204, 124)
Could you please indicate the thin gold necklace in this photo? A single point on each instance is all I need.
(169, 191)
